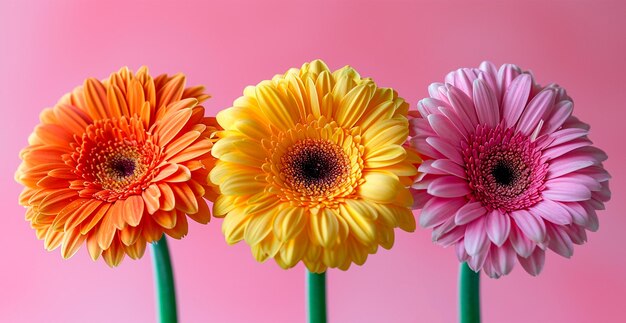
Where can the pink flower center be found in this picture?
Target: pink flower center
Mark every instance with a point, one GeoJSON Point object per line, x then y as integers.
{"type": "Point", "coordinates": [504, 168]}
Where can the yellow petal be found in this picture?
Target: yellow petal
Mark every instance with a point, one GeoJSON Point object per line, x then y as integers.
{"type": "Point", "coordinates": [379, 187]}
{"type": "Point", "coordinates": [289, 223]}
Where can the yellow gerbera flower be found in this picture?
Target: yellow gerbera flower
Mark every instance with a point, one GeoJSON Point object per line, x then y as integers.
{"type": "Point", "coordinates": [311, 168]}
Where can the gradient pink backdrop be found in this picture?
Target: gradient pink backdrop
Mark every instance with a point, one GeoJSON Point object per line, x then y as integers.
{"type": "Point", "coordinates": [48, 47]}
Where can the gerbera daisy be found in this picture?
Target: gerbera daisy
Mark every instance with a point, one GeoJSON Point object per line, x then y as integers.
{"type": "Point", "coordinates": [118, 163]}
{"type": "Point", "coordinates": [509, 171]}
{"type": "Point", "coordinates": [311, 168]}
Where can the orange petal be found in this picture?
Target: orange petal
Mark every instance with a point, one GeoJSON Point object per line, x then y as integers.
{"type": "Point", "coordinates": [68, 211]}
{"type": "Point", "coordinates": [96, 218]}
{"type": "Point", "coordinates": [182, 174]}
{"type": "Point", "coordinates": [136, 250]}
{"type": "Point", "coordinates": [92, 246]}
{"type": "Point", "coordinates": [167, 200]}
{"type": "Point", "coordinates": [95, 97]}
{"type": "Point", "coordinates": [171, 126]}
{"type": "Point", "coordinates": [171, 91]}
{"type": "Point", "coordinates": [181, 143]}
{"type": "Point", "coordinates": [180, 230]}
{"type": "Point", "coordinates": [57, 200]}
{"type": "Point", "coordinates": [81, 214]}
{"type": "Point", "coordinates": [133, 210]}
{"type": "Point", "coordinates": [129, 235]}
{"type": "Point", "coordinates": [166, 219]}
{"type": "Point", "coordinates": [165, 171]}
{"type": "Point", "coordinates": [106, 231]}
{"type": "Point", "coordinates": [114, 255]}
{"type": "Point", "coordinates": [136, 98]}
{"type": "Point", "coordinates": [151, 197]}
{"type": "Point", "coordinates": [203, 215]}
{"type": "Point", "coordinates": [72, 240]}
{"type": "Point", "coordinates": [53, 239]}
{"type": "Point", "coordinates": [73, 118]}
{"type": "Point", "coordinates": [116, 104]}
{"type": "Point", "coordinates": [185, 199]}
{"type": "Point", "coordinates": [199, 148]}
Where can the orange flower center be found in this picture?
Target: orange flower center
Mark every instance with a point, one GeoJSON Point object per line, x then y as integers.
{"type": "Point", "coordinates": [116, 158]}
{"type": "Point", "coordinates": [315, 167]}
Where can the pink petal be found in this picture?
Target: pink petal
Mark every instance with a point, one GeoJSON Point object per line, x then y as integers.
{"type": "Point", "coordinates": [449, 167]}
{"type": "Point", "coordinates": [445, 148]}
{"type": "Point", "coordinates": [489, 76]}
{"type": "Point", "coordinates": [448, 186]}
{"type": "Point", "coordinates": [486, 104]}
{"type": "Point", "coordinates": [469, 212]}
{"type": "Point", "coordinates": [515, 99]}
{"type": "Point", "coordinates": [559, 241]}
{"type": "Point", "coordinates": [502, 259]}
{"type": "Point", "coordinates": [576, 178]}
{"type": "Point", "coordinates": [498, 226]}
{"type": "Point", "coordinates": [593, 152]}
{"type": "Point", "coordinates": [426, 167]}
{"type": "Point", "coordinates": [450, 238]}
{"type": "Point", "coordinates": [463, 79]}
{"type": "Point", "coordinates": [476, 240]}
{"type": "Point", "coordinates": [425, 148]}
{"type": "Point", "coordinates": [463, 125]}
{"type": "Point", "coordinates": [534, 263]}
{"type": "Point", "coordinates": [531, 225]}
{"type": "Point", "coordinates": [459, 249]}
{"type": "Point", "coordinates": [565, 135]}
{"type": "Point", "coordinates": [576, 233]}
{"type": "Point", "coordinates": [552, 211]}
{"type": "Point", "coordinates": [506, 74]}
{"type": "Point", "coordinates": [429, 106]}
{"type": "Point", "coordinates": [535, 111]}
{"type": "Point", "coordinates": [433, 89]}
{"type": "Point", "coordinates": [441, 229]}
{"type": "Point", "coordinates": [444, 128]}
{"type": "Point", "coordinates": [576, 211]}
{"type": "Point", "coordinates": [603, 194]}
{"type": "Point", "coordinates": [565, 165]}
{"type": "Point", "coordinates": [522, 245]}
{"type": "Point", "coordinates": [560, 113]}
{"type": "Point", "coordinates": [420, 197]}
{"type": "Point", "coordinates": [420, 127]}
{"type": "Point", "coordinates": [592, 223]}
{"type": "Point", "coordinates": [560, 150]}
{"type": "Point", "coordinates": [462, 104]}
{"type": "Point", "coordinates": [476, 262]}
{"type": "Point", "coordinates": [572, 192]}
{"type": "Point", "coordinates": [438, 209]}
{"type": "Point", "coordinates": [596, 172]}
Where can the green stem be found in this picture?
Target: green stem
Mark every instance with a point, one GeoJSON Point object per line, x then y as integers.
{"type": "Point", "coordinates": [164, 282]}
{"type": "Point", "coordinates": [469, 295]}
{"type": "Point", "coordinates": [316, 297]}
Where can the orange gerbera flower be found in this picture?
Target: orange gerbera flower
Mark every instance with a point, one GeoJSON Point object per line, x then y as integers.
{"type": "Point", "coordinates": [118, 163]}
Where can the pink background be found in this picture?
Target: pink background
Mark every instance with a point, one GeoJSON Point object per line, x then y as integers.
{"type": "Point", "coordinates": [48, 47]}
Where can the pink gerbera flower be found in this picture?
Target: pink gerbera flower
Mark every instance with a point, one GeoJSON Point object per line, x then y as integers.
{"type": "Point", "coordinates": [508, 171]}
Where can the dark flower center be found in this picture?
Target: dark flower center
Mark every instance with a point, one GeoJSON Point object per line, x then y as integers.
{"type": "Point", "coordinates": [123, 167]}
{"type": "Point", "coordinates": [315, 166]}
{"type": "Point", "coordinates": [504, 168]}
{"type": "Point", "coordinates": [503, 173]}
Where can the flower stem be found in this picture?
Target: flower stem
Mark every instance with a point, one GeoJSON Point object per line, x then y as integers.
{"type": "Point", "coordinates": [316, 297]}
{"type": "Point", "coordinates": [469, 295]}
{"type": "Point", "coordinates": [164, 282]}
